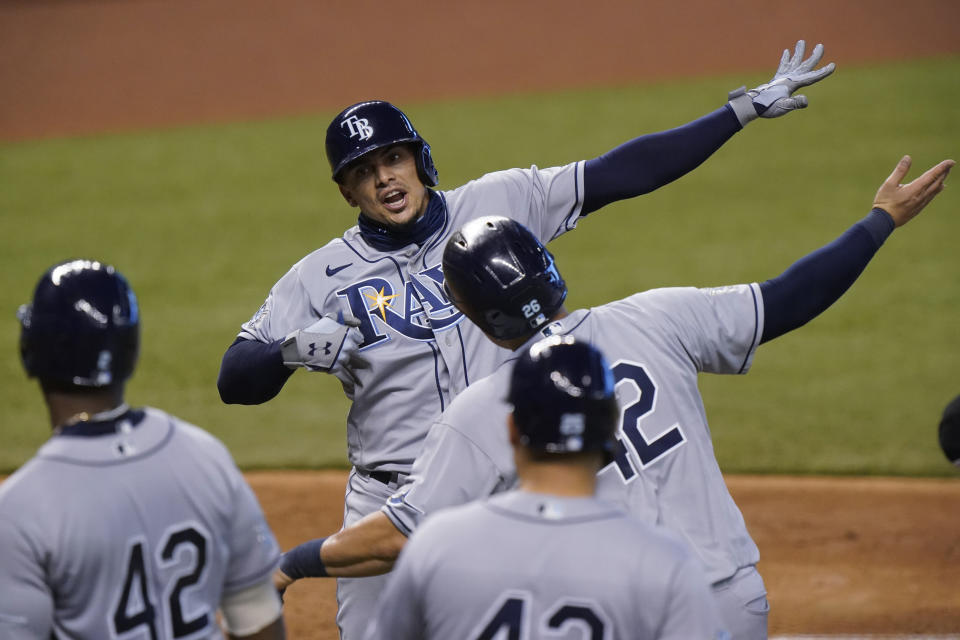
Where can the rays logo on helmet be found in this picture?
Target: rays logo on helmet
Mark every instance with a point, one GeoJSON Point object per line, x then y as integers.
{"type": "Point", "coordinates": [572, 424]}
{"type": "Point", "coordinates": [358, 127]}
{"type": "Point", "coordinates": [104, 376]}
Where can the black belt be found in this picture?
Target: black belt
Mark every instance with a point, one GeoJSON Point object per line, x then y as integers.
{"type": "Point", "coordinates": [384, 477]}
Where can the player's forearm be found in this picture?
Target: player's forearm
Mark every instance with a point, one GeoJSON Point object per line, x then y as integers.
{"type": "Point", "coordinates": [368, 548]}
{"type": "Point", "coordinates": [362, 569]}
{"type": "Point", "coordinates": [652, 161]}
{"type": "Point", "coordinates": [813, 283]}
{"type": "Point", "coordinates": [251, 372]}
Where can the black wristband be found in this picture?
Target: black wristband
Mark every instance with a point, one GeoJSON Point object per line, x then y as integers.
{"type": "Point", "coordinates": [304, 561]}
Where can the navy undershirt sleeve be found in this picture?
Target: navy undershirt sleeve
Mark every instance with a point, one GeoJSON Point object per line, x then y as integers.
{"type": "Point", "coordinates": [813, 283]}
{"type": "Point", "coordinates": [252, 372]}
{"type": "Point", "coordinates": [651, 161]}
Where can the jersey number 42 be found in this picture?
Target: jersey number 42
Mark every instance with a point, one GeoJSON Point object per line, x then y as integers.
{"type": "Point", "coordinates": [510, 620]}
{"type": "Point", "coordinates": [137, 604]}
{"type": "Point", "coordinates": [634, 375]}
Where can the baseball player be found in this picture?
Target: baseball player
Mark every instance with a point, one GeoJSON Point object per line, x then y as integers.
{"type": "Point", "coordinates": [527, 563]}
{"type": "Point", "coordinates": [128, 523]}
{"type": "Point", "coordinates": [369, 307]}
{"type": "Point", "coordinates": [505, 281]}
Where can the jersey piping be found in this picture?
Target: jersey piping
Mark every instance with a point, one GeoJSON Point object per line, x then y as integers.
{"type": "Point", "coordinates": [164, 441]}
{"type": "Point", "coordinates": [756, 324]}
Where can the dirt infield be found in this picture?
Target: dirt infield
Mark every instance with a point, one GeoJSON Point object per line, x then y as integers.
{"type": "Point", "coordinates": [80, 66]}
{"type": "Point", "coordinates": [839, 555]}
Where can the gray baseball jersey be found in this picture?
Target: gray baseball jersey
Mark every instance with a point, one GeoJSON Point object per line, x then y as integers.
{"type": "Point", "coordinates": [421, 352]}
{"type": "Point", "coordinates": [527, 565]}
{"type": "Point", "coordinates": [666, 473]}
{"type": "Point", "coordinates": [128, 529]}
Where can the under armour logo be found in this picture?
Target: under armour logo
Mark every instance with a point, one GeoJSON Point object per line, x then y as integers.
{"type": "Point", "coordinates": [313, 348]}
{"type": "Point", "coordinates": [358, 127]}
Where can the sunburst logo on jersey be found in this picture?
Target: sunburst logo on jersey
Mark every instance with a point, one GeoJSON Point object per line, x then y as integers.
{"type": "Point", "coordinates": [381, 302]}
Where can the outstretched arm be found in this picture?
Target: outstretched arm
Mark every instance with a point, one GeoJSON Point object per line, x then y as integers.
{"type": "Point", "coordinates": [775, 98]}
{"type": "Point", "coordinates": [652, 161]}
{"type": "Point", "coordinates": [813, 283]}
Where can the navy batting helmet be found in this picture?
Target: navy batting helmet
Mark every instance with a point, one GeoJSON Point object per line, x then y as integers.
{"type": "Point", "coordinates": [82, 328]}
{"type": "Point", "coordinates": [562, 392]}
{"type": "Point", "coordinates": [367, 126]}
{"type": "Point", "coordinates": [949, 432]}
{"type": "Point", "coordinates": [505, 278]}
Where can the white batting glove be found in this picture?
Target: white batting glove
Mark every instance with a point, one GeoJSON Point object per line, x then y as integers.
{"type": "Point", "coordinates": [330, 344]}
{"type": "Point", "coordinates": [775, 98]}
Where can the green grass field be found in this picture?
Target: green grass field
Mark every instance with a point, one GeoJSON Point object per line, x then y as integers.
{"type": "Point", "coordinates": [204, 220]}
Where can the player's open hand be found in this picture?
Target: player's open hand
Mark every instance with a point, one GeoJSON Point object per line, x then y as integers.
{"type": "Point", "coordinates": [776, 98]}
{"type": "Point", "coordinates": [904, 201]}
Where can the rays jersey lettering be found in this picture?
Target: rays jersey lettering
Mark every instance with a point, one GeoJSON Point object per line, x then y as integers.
{"type": "Point", "coordinates": [417, 311]}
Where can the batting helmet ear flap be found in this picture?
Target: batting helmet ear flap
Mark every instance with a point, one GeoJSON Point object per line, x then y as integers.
{"type": "Point", "coordinates": [425, 166]}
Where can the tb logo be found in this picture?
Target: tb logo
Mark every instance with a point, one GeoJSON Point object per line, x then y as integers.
{"type": "Point", "coordinates": [358, 127]}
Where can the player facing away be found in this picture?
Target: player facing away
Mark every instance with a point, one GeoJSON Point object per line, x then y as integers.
{"type": "Point", "coordinates": [128, 522]}
{"type": "Point", "coordinates": [659, 341]}
{"type": "Point", "coordinates": [369, 308]}
{"type": "Point", "coordinates": [548, 558]}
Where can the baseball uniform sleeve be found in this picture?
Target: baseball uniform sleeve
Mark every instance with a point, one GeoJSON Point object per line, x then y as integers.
{"type": "Point", "coordinates": [718, 328]}
{"type": "Point", "coordinates": [691, 610]}
{"type": "Point", "coordinates": [254, 552]}
{"type": "Point", "coordinates": [26, 607]}
{"type": "Point", "coordinates": [466, 455]}
{"type": "Point", "coordinates": [452, 469]}
{"type": "Point", "coordinates": [288, 307]}
{"type": "Point", "coordinates": [547, 201]}
{"type": "Point", "coordinates": [252, 369]}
